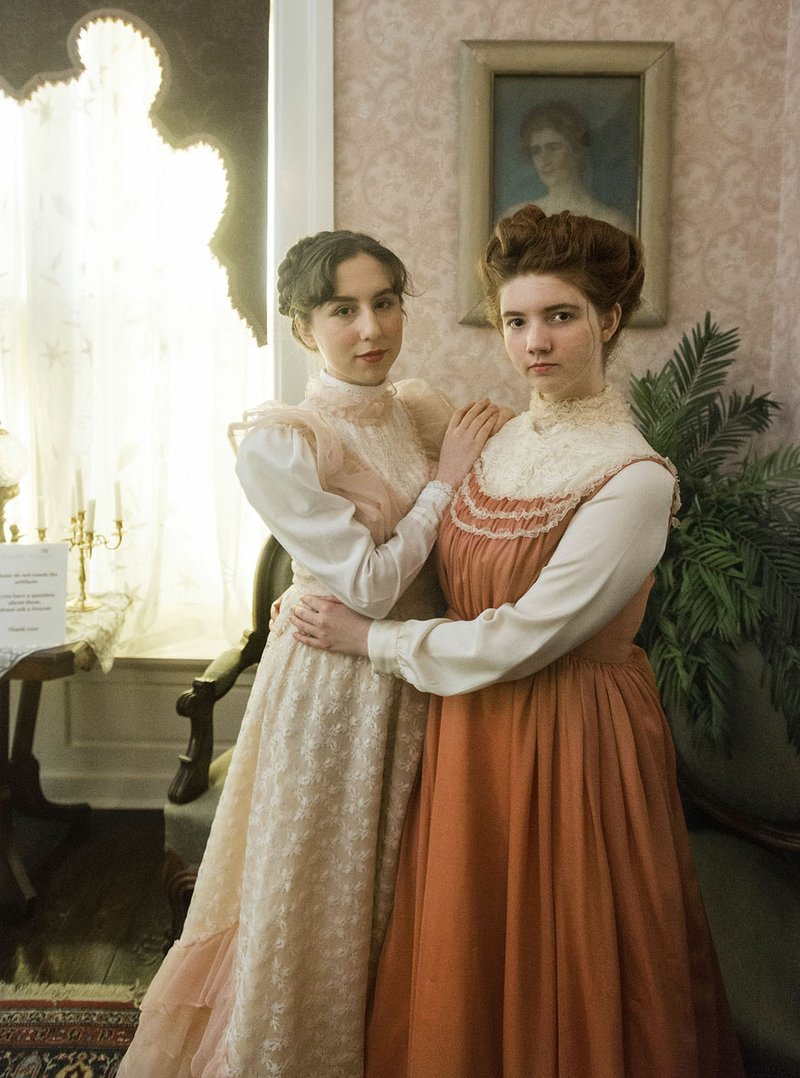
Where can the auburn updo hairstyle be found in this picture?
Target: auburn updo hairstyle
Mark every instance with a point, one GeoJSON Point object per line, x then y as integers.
{"type": "Point", "coordinates": [603, 262]}
{"type": "Point", "coordinates": [307, 274]}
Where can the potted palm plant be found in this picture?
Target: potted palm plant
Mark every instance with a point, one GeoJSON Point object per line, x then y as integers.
{"type": "Point", "coordinates": [730, 575]}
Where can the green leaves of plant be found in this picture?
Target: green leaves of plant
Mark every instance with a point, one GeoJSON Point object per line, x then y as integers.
{"type": "Point", "coordinates": [731, 571]}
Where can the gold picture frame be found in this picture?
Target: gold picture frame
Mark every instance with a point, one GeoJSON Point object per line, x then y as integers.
{"type": "Point", "coordinates": [621, 88]}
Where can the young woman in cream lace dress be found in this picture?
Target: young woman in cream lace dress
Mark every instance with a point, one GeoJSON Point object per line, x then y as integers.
{"type": "Point", "coordinates": [271, 974]}
{"type": "Point", "coordinates": [547, 919]}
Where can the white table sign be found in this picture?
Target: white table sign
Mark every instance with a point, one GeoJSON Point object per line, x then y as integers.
{"type": "Point", "coordinates": [33, 595]}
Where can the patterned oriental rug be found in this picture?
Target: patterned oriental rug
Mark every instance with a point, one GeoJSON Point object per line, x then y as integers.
{"type": "Point", "coordinates": [64, 1030]}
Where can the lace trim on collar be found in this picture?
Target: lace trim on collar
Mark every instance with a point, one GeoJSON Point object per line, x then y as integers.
{"type": "Point", "coordinates": [367, 404]}
{"type": "Point", "coordinates": [568, 447]}
{"type": "Point", "coordinates": [543, 463]}
{"type": "Point", "coordinates": [326, 396]}
{"type": "Point", "coordinates": [534, 517]}
{"type": "Point", "coordinates": [606, 407]}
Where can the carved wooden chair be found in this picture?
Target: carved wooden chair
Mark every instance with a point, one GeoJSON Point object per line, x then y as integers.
{"type": "Point", "coordinates": [743, 811]}
{"type": "Point", "coordinates": [195, 790]}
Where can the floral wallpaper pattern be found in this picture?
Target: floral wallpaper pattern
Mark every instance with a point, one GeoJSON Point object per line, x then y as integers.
{"type": "Point", "coordinates": [734, 205]}
{"type": "Point", "coordinates": [786, 326]}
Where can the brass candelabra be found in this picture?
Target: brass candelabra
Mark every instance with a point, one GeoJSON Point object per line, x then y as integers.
{"type": "Point", "coordinates": [83, 538]}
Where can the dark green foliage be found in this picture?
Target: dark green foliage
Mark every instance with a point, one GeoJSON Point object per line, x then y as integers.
{"type": "Point", "coordinates": [731, 570]}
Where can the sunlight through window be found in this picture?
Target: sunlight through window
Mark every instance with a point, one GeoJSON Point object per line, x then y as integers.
{"type": "Point", "coordinates": [121, 351]}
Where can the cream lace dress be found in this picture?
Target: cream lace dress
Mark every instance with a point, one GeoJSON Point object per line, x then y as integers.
{"type": "Point", "coordinates": [271, 974]}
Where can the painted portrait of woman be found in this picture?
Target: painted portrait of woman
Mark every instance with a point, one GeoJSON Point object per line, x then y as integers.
{"type": "Point", "coordinates": [567, 152]}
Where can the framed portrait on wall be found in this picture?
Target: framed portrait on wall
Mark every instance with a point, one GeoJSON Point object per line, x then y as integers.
{"type": "Point", "coordinates": [583, 126]}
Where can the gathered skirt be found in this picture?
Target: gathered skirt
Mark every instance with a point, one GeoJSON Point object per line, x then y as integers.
{"type": "Point", "coordinates": [547, 921]}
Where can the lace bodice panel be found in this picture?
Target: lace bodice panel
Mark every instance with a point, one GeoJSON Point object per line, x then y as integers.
{"type": "Point", "coordinates": [391, 447]}
{"type": "Point", "coordinates": [558, 450]}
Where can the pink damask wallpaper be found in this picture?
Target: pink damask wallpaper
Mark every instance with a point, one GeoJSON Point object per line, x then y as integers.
{"type": "Point", "coordinates": [734, 211]}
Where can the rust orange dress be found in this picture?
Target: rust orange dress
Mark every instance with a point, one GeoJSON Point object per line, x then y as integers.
{"type": "Point", "coordinates": [547, 919]}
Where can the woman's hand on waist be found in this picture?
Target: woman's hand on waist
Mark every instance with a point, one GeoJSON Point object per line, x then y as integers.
{"type": "Point", "coordinates": [321, 621]}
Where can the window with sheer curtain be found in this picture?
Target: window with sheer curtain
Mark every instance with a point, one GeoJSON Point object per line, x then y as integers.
{"type": "Point", "coordinates": [123, 354]}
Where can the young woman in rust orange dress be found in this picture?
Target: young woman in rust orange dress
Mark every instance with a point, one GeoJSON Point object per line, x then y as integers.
{"type": "Point", "coordinates": [547, 919]}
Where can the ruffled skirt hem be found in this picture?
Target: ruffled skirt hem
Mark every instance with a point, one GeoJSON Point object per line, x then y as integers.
{"type": "Point", "coordinates": [185, 1012]}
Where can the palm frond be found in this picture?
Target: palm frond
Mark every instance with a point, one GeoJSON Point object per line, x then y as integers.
{"type": "Point", "coordinates": [731, 570]}
{"type": "Point", "coordinates": [653, 406]}
{"type": "Point", "coordinates": [674, 402]}
{"type": "Point", "coordinates": [776, 476]}
{"type": "Point", "coordinates": [709, 438]}
{"type": "Point", "coordinates": [699, 369]}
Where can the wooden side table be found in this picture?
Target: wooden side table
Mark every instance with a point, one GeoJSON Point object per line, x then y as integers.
{"type": "Point", "coordinates": [20, 788]}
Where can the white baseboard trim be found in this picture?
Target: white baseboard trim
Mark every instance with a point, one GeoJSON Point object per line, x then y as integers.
{"type": "Point", "coordinates": [108, 791]}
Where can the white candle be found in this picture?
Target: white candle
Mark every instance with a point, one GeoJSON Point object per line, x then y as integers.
{"type": "Point", "coordinates": [90, 515]}
{"type": "Point", "coordinates": [39, 478]}
{"type": "Point", "coordinates": [40, 521]}
{"type": "Point", "coordinates": [79, 490]}
{"type": "Point", "coordinates": [73, 512]}
{"type": "Point", "coordinates": [117, 501]}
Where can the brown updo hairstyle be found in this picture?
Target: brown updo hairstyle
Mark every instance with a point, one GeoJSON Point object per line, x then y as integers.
{"type": "Point", "coordinates": [307, 274]}
{"type": "Point", "coordinates": [603, 262]}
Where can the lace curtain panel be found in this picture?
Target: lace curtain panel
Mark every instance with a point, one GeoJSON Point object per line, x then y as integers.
{"type": "Point", "coordinates": [214, 86]}
{"type": "Point", "coordinates": [122, 352]}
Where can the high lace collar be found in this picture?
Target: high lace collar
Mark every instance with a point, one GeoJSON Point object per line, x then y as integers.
{"type": "Point", "coordinates": [354, 390]}
{"type": "Point", "coordinates": [365, 404]}
{"type": "Point", "coordinates": [608, 406]}
{"type": "Point", "coordinates": [562, 449]}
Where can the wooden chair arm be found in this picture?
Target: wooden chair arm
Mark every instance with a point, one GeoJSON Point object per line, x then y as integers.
{"type": "Point", "coordinates": [197, 705]}
{"type": "Point", "coordinates": [273, 576]}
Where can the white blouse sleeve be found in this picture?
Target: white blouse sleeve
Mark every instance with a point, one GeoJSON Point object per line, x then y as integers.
{"type": "Point", "coordinates": [609, 547]}
{"type": "Point", "coordinates": [278, 474]}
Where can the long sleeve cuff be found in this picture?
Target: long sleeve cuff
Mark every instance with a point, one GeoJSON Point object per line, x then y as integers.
{"type": "Point", "coordinates": [382, 646]}
{"type": "Point", "coordinates": [442, 492]}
